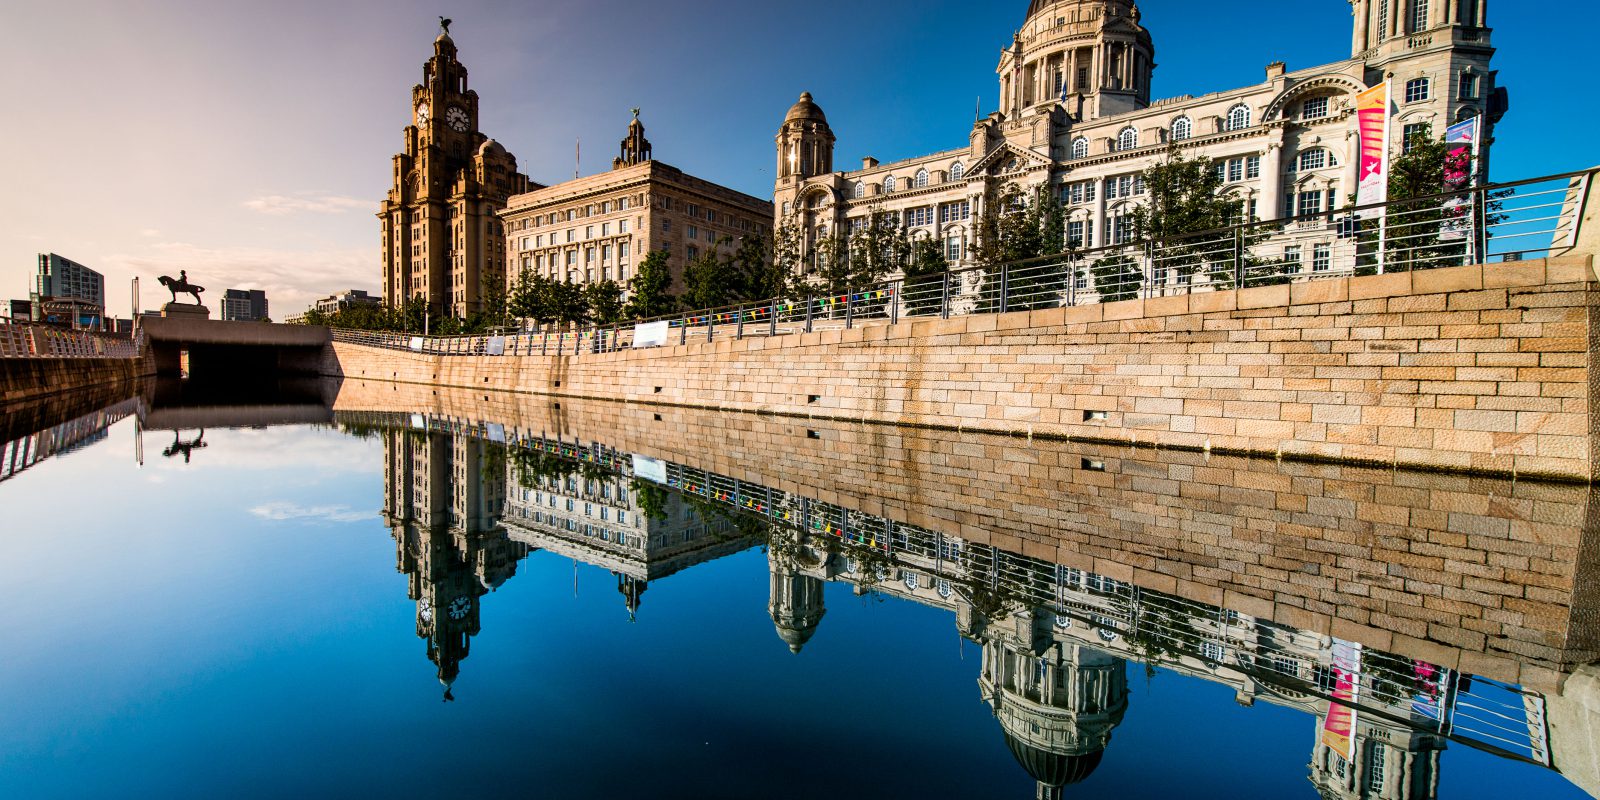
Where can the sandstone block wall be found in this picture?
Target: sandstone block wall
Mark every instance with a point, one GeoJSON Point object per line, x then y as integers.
{"type": "Point", "coordinates": [1492, 576]}
{"type": "Point", "coordinates": [1485, 369]}
{"type": "Point", "coordinates": [24, 379]}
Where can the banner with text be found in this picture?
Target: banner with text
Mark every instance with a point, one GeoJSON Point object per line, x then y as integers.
{"type": "Point", "coordinates": [1372, 115]}
{"type": "Point", "coordinates": [1460, 165]}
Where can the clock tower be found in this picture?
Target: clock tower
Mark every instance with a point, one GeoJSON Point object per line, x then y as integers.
{"type": "Point", "coordinates": [442, 240]}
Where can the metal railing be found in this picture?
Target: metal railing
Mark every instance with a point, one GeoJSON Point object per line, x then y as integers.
{"type": "Point", "coordinates": [31, 340]}
{"type": "Point", "coordinates": [1492, 224]}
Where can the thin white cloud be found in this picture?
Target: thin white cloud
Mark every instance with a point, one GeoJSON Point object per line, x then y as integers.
{"type": "Point", "coordinates": [150, 233]}
{"type": "Point", "coordinates": [283, 510]}
{"type": "Point", "coordinates": [278, 204]}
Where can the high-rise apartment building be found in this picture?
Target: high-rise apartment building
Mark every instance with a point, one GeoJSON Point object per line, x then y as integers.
{"type": "Point", "coordinates": [244, 305]}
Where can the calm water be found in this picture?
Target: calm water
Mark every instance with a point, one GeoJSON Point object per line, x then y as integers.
{"type": "Point", "coordinates": [399, 602]}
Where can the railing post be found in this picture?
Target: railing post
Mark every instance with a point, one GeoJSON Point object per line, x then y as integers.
{"type": "Point", "coordinates": [711, 326]}
{"type": "Point", "coordinates": [1238, 258]}
{"type": "Point", "coordinates": [894, 302]}
{"type": "Point", "coordinates": [738, 331]}
{"type": "Point", "coordinates": [944, 297]}
{"type": "Point", "coordinates": [544, 343]}
{"type": "Point", "coordinates": [772, 319]}
{"type": "Point", "coordinates": [811, 301]}
{"type": "Point", "coordinates": [683, 332]}
{"type": "Point", "coordinates": [1072, 281]}
{"type": "Point", "coordinates": [849, 308]}
{"type": "Point", "coordinates": [1005, 278]}
{"type": "Point", "coordinates": [1150, 269]}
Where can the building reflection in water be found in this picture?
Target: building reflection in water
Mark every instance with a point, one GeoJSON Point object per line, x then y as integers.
{"type": "Point", "coordinates": [1056, 642]}
{"type": "Point", "coordinates": [443, 496]}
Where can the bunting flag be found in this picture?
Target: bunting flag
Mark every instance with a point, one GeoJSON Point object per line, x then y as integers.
{"type": "Point", "coordinates": [1372, 114]}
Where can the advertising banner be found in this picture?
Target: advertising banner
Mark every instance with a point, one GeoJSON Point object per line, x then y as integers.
{"type": "Point", "coordinates": [1339, 727]}
{"type": "Point", "coordinates": [650, 469]}
{"type": "Point", "coordinates": [1372, 115]}
{"type": "Point", "coordinates": [1460, 167]}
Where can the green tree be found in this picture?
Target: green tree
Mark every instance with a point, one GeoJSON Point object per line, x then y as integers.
{"type": "Point", "coordinates": [877, 249]}
{"type": "Point", "coordinates": [1188, 225]}
{"type": "Point", "coordinates": [1116, 277]}
{"type": "Point", "coordinates": [710, 281]}
{"type": "Point", "coordinates": [568, 302]}
{"type": "Point", "coordinates": [604, 299]}
{"type": "Point", "coordinates": [495, 302]}
{"type": "Point", "coordinates": [922, 292]}
{"type": "Point", "coordinates": [1020, 237]}
{"type": "Point", "coordinates": [760, 277]}
{"type": "Point", "coordinates": [787, 259]}
{"type": "Point", "coordinates": [650, 289]}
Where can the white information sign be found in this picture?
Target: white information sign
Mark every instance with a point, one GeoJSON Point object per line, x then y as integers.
{"type": "Point", "coordinates": [651, 334]}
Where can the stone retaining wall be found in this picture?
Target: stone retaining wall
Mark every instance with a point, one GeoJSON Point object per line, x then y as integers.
{"type": "Point", "coordinates": [24, 379]}
{"type": "Point", "coordinates": [1494, 576]}
{"type": "Point", "coordinates": [1477, 369]}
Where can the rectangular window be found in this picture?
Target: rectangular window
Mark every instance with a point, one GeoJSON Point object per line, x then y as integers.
{"type": "Point", "coordinates": [1418, 89]}
{"type": "Point", "coordinates": [694, 252]}
{"type": "Point", "coordinates": [605, 252]}
{"type": "Point", "coordinates": [1419, 15]}
{"type": "Point", "coordinates": [1310, 203]}
{"type": "Point", "coordinates": [1235, 170]}
{"type": "Point", "coordinates": [666, 225]}
{"type": "Point", "coordinates": [1469, 86]}
{"type": "Point", "coordinates": [572, 235]}
{"type": "Point", "coordinates": [1291, 258]}
{"type": "Point", "coordinates": [622, 226]}
{"type": "Point", "coordinates": [572, 258]}
{"type": "Point", "coordinates": [691, 231]}
{"type": "Point", "coordinates": [1321, 258]}
{"type": "Point", "coordinates": [1075, 233]}
{"type": "Point", "coordinates": [605, 229]}
{"type": "Point", "coordinates": [952, 249]}
{"type": "Point", "coordinates": [1121, 229]}
{"type": "Point", "coordinates": [622, 250]}
{"type": "Point", "coordinates": [1314, 108]}
{"type": "Point", "coordinates": [1252, 167]}
{"type": "Point", "coordinates": [588, 232]}
{"type": "Point", "coordinates": [588, 255]}
{"type": "Point", "coordinates": [1415, 132]}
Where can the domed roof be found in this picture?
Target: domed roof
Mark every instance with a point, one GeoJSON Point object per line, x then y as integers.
{"type": "Point", "coordinates": [444, 38]}
{"type": "Point", "coordinates": [796, 638]}
{"type": "Point", "coordinates": [491, 146]}
{"type": "Point", "coordinates": [1053, 769]}
{"type": "Point", "coordinates": [805, 109]}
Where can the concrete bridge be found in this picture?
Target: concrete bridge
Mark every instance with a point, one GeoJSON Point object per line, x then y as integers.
{"type": "Point", "coordinates": [217, 348]}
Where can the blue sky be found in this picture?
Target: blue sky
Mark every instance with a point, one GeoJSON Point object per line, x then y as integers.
{"type": "Point", "coordinates": [250, 143]}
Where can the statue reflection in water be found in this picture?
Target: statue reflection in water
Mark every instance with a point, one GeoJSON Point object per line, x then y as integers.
{"type": "Point", "coordinates": [179, 446]}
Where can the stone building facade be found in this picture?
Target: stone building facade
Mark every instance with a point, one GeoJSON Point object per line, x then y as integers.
{"type": "Point", "coordinates": [601, 226]}
{"type": "Point", "coordinates": [442, 240]}
{"type": "Point", "coordinates": [1076, 116]}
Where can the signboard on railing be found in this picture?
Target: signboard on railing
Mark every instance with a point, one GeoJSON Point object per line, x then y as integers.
{"type": "Point", "coordinates": [651, 334]}
{"type": "Point", "coordinates": [496, 346]}
{"type": "Point", "coordinates": [650, 469]}
{"type": "Point", "coordinates": [416, 343]}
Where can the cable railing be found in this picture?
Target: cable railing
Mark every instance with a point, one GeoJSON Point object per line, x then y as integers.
{"type": "Point", "coordinates": [1493, 224]}
{"type": "Point", "coordinates": [33, 340]}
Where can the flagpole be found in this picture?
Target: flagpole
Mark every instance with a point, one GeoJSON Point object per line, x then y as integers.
{"type": "Point", "coordinates": [1383, 219]}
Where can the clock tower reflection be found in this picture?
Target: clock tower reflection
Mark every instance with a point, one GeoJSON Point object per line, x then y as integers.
{"type": "Point", "coordinates": [443, 498]}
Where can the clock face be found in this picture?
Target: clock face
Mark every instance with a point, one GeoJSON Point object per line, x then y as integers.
{"type": "Point", "coordinates": [422, 113]}
{"type": "Point", "coordinates": [456, 117]}
{"type": "Point", "coordinates": [459, 607]}
{"type": "Point", "coordinates": [425, 610]}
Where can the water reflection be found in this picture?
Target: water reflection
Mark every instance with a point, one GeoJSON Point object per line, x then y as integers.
{"type": "Point", "coordinates": [472, 490]}
{"type": "Point", "coordinates": [1056, 641]}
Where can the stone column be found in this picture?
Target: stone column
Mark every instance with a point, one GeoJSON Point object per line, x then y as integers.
{"type": "Point", "coordinates": [1271, 206]}
{"type": "Point", "coordinates": [1103, 235]}
{"type": "Point", "coordinates": [1363, 21]}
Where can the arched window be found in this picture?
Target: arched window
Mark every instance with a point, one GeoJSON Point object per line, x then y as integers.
{"type": "Point", "coordinates": [1182, 128]}
{"type": "Point", "coordinates": [1238, 117]}
{"type": "Point", "coordinates": [1315, 158]}
{"type": "Point", "coordinates": [860, 191]}
{"type": "Point", "coordinates": [1080, 147]}
{"type": "Point", "coordinates": [1127, 139]}
{"type": "Point", "coordinates": [888, 184]}
{"type": "Point", "coordinates": [922, 178]}
{"type": "Point", "coordinates": [956, 171]}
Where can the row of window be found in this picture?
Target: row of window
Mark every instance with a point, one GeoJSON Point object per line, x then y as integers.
{"type": "Point", "coordinates": [919, 181]}
{"type": "Point", "coordinates": [572, 214]}
{"type": "Point", "coordinates": [589, 232]}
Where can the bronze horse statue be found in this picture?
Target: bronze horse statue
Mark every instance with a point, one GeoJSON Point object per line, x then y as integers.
{"type": "Point", "coordinates": [181, 285]}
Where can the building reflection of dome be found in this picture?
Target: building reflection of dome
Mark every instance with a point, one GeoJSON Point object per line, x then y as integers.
{"type": "Point", "coordinates": [1053, 769]}
{"type": "Point", "coordinates": [796, 638]}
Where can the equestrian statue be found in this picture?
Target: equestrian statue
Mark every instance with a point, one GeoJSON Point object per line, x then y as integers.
{"type": "Point", "coordinates": [182, 286]}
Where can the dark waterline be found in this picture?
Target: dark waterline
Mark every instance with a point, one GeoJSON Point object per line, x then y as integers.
{"type": "Point", "coordinates": [394, 608]}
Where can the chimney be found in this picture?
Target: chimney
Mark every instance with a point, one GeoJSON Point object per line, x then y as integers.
{"type": "Point", "coordinates": [869, 162]}
{"type": "Point", "coordinates": [1275, 70]}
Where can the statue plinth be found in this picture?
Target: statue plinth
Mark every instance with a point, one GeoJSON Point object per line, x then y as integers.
{"type": "Point", "coordinates": [186, 311]}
